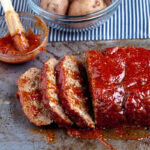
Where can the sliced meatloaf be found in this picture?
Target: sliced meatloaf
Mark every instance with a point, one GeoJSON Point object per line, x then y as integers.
{"type": "Point", "coordinates": [105, 78]}
{"type": "Point", "coordinates": [120, 86]}
{"type": "Point", "coordinates": [31, 98]}
{"type": "Point", "coordinates": [137, 85]}
{"type": "Point", "coordinates": [50, 97]}
{"type": "Point", "coordinates": [72, 91]}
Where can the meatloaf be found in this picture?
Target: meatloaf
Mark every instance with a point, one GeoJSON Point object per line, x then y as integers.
{"type": "Point", "coordinates": [119, 82]}
{"type": "Point", "coordinates": [31, 98]}
{"type": "Point", "coordinates": [50, 97]}
{"type": "Point", "coordinates": [105, 76]}
{"type": "Point", "coordinates": [72, 91]}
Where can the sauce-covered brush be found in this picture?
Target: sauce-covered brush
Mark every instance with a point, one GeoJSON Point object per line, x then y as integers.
{"type": "Point", "coordinates": [15, 27]}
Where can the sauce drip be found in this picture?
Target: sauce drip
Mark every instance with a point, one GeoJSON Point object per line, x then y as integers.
{"type": "Point", "coordinates": [7, 45]}
{"type": "Point", "coordinates": [89, 134]}
{"type": "Point", "coordinates": [124, 133]}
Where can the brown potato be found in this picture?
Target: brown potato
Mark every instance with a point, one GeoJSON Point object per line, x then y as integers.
{"type": "Point", "coordinates": [55, 6]}
{"type": "Point", "coordinates": [83, 7]}
{"type": "Point", "coordinates": [108, 2]}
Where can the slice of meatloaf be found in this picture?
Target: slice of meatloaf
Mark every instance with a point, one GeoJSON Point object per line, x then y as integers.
{"type": "Point", "coordinates": [50, 97]}
{"type": "Point", "coordinates": [105, 78]}
{"type": "Point", "coordinates": [31, 98]}
{"type": "Point", "coordinates": [71, 91]}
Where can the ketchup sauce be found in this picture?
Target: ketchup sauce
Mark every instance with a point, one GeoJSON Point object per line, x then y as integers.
{"type": "Point", "coordinates": [7, 45]}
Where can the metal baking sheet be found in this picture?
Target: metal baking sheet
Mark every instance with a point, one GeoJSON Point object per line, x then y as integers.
{"type": "Point", "coordinates": [16, 133]}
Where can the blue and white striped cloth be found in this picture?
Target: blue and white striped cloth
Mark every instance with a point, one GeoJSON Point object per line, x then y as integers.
{"type": "Point", "coordinates": [130, 21]}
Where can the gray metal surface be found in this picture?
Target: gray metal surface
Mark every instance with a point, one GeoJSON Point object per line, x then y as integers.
{"type": "Point", "coordinates": [16, 133]}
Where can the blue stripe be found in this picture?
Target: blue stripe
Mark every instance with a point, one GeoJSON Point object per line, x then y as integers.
{"type": "Point", "coordinates": [102, 32]}
{"type": "Point", "coordinates": [131, 20]}
{"type": "Point", "coordinates": [144, 21]}
{"type": "Point", "coordinates": [125, 35]}
{"type": "Point", "coordinates": [109, 29]}
{"type": "Point", "coordinates": [61, 36]}
{"type": "Point", "coordinates": [140, 22]}
{"type": "Point", "coordinates": [147, 19]}
{"type": "Point", "coordinates": [136, 20]}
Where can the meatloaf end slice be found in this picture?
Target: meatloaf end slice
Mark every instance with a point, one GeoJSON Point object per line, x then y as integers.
{"type": "Point", "coordinates": [50, 97]}
{"type": "Point", "coordinates": [31, 98]}
{"type": "Point", "coordinates": [71, 91]}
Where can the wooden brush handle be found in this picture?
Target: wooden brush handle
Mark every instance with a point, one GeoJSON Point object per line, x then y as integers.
{"type": "Point", "coordinates": [12, 18]}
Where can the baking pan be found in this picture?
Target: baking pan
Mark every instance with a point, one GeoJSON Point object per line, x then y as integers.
{"type": "Point", "coordinates": [16, 133]}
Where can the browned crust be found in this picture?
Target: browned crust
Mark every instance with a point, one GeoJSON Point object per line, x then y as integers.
{"type": "Point", "coordinates": [59, 117]}
{"type": "Point", "coordinates": [31, 99]}
{"type": "Point", "coordinates": [69, 109]}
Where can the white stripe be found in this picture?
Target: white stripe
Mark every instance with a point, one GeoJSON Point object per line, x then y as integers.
{"type": "Point", "coordinates": [86, 35]}
{"type": "Point", "coordinates": [63, 36]}
{"type": "Point", "coordinates": [138, 20]}
{"type": "Point", "coordinates": [77, 36]}
{"type": "Point", "coordinates": [133, 30]}
{"type": "Point", "coordinates": [119, 22]}
{"type": "Point", "coordinates": [123, 20]}
{"type": "Point", "coordinates": [149, 28]}
{"type": "Point", "coordinates": [116, 22]}
{"type": "Point", "coordinates": [51, 35]}
{"type": "Point", "coordinates": [73, 36]}
{"type": "Point", "coordinates": [101, 32]}
{"type": "Point", "coordinates": [82, 36]}
{"type": "Point", "coordinates": [130, 17]}
{"type": "Point", "coordinates": [104, 31]}
{"type": "Point", "coordinates": [58, 35]}
{"type": "Point", "coordinates": [107, 30]}
{"type": "Point", "coordinates": [141, 19]}
{"type": "Point", "coordinates": [127, 24]}
{"type": "Point", "coordinates": [97, 34]}
{"type": "Point", "coordinates": [148, 12]}
{"type": "Point", "coordinates": [112, 27]}
{"type": "Point", "coordinates": [145, 23]}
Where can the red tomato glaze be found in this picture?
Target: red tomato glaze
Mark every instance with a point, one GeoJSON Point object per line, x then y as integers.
{"type": "Point", "coordinates": [120, 86]}
{"type": "Point", "coordinates": [7, 46]}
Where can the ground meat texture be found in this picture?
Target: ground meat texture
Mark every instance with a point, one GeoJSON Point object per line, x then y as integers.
{"type": "Point", "coordinates": [31, 97]}
{"type": "Point", "coordinates": [50, 96]}
{"type": "Point", "coordinates": [71, 91]}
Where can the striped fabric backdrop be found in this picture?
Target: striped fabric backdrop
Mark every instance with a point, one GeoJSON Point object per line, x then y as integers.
{"type": "Point", "coordinates": [130, 21]}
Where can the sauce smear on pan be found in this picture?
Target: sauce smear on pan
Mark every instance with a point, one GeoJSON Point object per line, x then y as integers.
{"type": "Point", "coordinates": [49, 134]}
{"type": "Point", "coordinates": [124, 133]}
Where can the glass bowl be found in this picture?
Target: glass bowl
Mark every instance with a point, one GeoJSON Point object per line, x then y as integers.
{"type": "Point", "coordinates": [30, 22]}
{"type": "Point", "coordinates": [84, 22]}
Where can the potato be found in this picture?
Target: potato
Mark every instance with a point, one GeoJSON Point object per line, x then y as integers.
{"type": "Point", "coordinates": [108, 2]}
{"type": "Point", "coordinates": [70, 1]}
{"type": "Point", "coordinates": [55, 6]}
{"type": "Point", "coordinates": [83, 7]}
